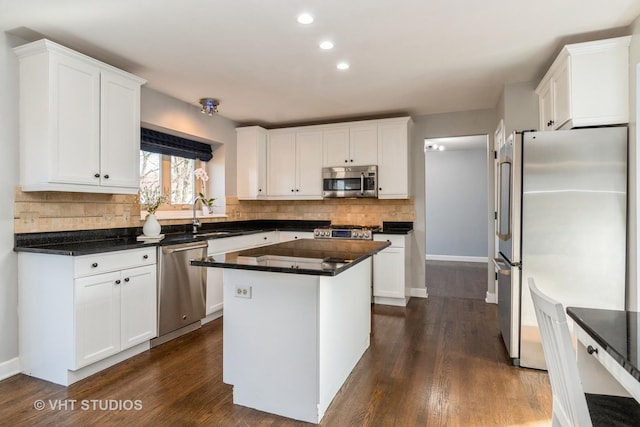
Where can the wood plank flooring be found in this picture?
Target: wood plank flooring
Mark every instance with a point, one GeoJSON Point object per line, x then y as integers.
{"type": "Point", "coordinates": [437, 362]}
{"type": "Point", "coordinates": [457, 279]}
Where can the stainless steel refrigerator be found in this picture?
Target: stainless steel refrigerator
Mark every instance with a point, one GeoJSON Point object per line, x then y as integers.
{"type": "Point", "coordinates": [562, 215]}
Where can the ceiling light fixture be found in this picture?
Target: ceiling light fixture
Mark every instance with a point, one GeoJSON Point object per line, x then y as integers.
{"type": "Point", "coordinates": [326, 45]}
{"type": "Point", "coordinates": [305, 19]}
{"type": "Point", "coordinates": [209, 106]}
{"type": "Point", "coordinates": [342, 66]}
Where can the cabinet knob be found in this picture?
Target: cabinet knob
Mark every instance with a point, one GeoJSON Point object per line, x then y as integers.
{"type": "Point", "coordinates": [145, 256]}
{"type": "Point", "coordinates": [351, 160]}
{"type": "Point", "coordinates": [292, 190]}
{"type": "Point", "coordinates": [264, 238]}
{"type": "Point", "coordinates": [591, 350]}
{"type": "Point", "coordinates": [297, 189]}
{"type": "Point", "coordinates": [106, 176]}
{"type": "Point", "coordinates": [118, 282]}
{"type": "Point", "coordinates": [379, 188]}
{"type": "Point", "coordinates": [346, 161]}
{"type": "Point", "coordinates": [97, 175]}
{"type": "Point", "coordinates": [126, 279]}
{"type": "Point", "coordinates": [259, 190]}
{"type": "Point", "coordinates": [94, 265]}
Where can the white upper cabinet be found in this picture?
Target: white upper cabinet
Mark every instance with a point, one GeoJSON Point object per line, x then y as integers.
{"type": "Point", "coordinates": [393, 159]}
{"type": "Point", "coordinates": [294, 165]}
{"type": "Point", "coordinates": [251, 167]}
{"type": "Point", "coordinates": [587, 85]}
{"type": "Point", "coordinates": [351, 146]}
{"type": "Point", "coordinates": [293, 157]}
{"type": "Point", "coordinates": [79, 122]}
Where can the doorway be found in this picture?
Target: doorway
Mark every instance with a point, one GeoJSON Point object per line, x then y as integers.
{"type": "Point", "coordinates": [456, 209]}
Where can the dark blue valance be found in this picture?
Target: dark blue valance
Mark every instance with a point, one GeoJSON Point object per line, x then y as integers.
{"type": "Point", "coordinates": [163, 143]}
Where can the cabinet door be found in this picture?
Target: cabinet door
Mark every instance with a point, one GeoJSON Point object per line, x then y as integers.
{"type": "Point", "coordinates": [75, 154]}
{"type": "Point", "coordinates": [214, 286]}
{"type": "Point", "coordinates": [309, 164]}
{"type": "Point", "coordinates": [393, 176]}
{"type": "Point", "coordinates": [363, 145]}
{"type": "Point", "coordinates": [251, 165]}
{"type": "Point", "coordinates": [388, 273]}
{"type": "Point", "coordinates": [545, 102]}
{"type": "Point", "coordinates": [97, 317]}
{"type": "Point", "coordinates": [335, 144]}
{"type": "Point", "coordinates": [562, 95]}
{"type": "Point", "coordinates": [281, 165]}
{"type": "Point", "coordinates": [138, 306]}
{"type": "Point", "coordinates": [119, 132]}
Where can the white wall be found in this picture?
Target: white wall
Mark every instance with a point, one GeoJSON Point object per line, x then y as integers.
{"type": "Point", "coordinates": [456, 203]}
{"type": "Point", "coordinates": [8, 181]}
{"type": "Point", "coordinates": [463, 123]}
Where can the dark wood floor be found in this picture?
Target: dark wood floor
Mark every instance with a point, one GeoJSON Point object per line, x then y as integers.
{"type": "Point", "coordinates": [457, 279]}
{"type": "Point", "coordinates": [437, 362]}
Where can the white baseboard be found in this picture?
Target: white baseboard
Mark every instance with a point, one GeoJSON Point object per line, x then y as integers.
{"type": "Point", "coordinates": [457, 258]}
{"type": "Point", "coordinates": [419, 292]}
{"type": "Point", "coordinates": [9, 368]}
{"type": "Point", "coordinates": [491, 298]}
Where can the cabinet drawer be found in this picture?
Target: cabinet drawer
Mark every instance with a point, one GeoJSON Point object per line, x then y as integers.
{"type": "Point", "coordinates": [100, 263]}
{"type": "Point", "coordinates": [397, 240]}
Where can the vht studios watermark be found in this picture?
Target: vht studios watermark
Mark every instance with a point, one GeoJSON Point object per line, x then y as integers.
{"type": "Point", "coordinates": [88, 405]}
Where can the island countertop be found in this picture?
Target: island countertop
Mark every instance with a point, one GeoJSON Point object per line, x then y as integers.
{"type": "Point", "coordinates": [303, 256]}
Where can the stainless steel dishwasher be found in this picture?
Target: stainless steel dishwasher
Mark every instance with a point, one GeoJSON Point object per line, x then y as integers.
{"type": "Point", "coordinates": [181, 290]}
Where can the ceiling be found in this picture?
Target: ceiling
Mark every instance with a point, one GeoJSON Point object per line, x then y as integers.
{"type": "Point", "coordinates": [407, 57]}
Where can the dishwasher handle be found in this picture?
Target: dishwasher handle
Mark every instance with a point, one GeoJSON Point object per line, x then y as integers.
{"type": "Point", "coordinates": [184, 247]}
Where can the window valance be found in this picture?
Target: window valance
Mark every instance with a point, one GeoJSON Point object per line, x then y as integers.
{"type": "Point", "coordinates": [163, 143]}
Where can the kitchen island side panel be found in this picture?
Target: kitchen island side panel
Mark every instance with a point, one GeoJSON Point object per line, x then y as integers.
{"type": "Point", "coordinates": [290, 346]}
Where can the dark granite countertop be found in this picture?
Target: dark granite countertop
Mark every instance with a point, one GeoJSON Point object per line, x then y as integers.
{"type": "Point", "coordinates": [396, 227]}
{"type": "Point", "coordinates": [87, 242]}
{"type": "Point", "coordinates": [618, 332]}
{"type": "Point", "coordinates": [303, 256]}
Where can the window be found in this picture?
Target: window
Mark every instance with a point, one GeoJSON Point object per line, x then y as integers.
{"type": "Point", "coordinates": [173, 175]}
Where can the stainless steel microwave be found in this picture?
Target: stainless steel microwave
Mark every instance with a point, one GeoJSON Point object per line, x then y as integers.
{"type": "Point", "coordinates": [350, 181]}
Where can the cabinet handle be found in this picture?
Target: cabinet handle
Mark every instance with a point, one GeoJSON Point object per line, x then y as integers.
{"type": "Point", "coordinates": [591, 350]}
{"type": "Point", "coordinates": [118, 282]}
{"type": "Point", "coordinates": [94, 265]}
{"type": "Point", "coordinates": [145, 256]}
{"type": "Point", "coordinates": [106, 176]}
{"type": "Point", "coordinates": [126, 279]}
{"type": "Point", "coordinates": [97, 175]}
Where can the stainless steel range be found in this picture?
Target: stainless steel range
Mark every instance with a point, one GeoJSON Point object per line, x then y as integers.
{"type": "Point", "coordinates": [351, 232]}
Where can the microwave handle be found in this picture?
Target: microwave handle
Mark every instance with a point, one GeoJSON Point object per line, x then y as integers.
{"type": "Point", "coordinates": [362, 183]}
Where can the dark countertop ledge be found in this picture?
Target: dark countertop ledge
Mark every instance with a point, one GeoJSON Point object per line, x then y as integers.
{"type": "Point", "coordinates": [303, 256]}
{"type": "Point", "coordinates": [614, 330]}
{"type": "Point", "coordinates": [87, 242]}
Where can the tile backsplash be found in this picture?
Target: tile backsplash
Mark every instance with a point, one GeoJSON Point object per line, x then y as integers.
{"type": "Point", "coordinates": [43, 211]}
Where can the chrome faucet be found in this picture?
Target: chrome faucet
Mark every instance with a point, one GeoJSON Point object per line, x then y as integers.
{"type": "Point", "coordinates": [195, 223]}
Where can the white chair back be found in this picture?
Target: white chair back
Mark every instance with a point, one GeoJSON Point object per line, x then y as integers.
{"type": "Point", "coordinates": [569, 402]}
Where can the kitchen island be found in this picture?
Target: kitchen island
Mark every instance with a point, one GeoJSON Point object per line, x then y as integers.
{"type": "Point", "coordinates": [297, 318]}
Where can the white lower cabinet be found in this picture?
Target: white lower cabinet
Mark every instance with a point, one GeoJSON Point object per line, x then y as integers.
{"type": "Point", "coordinates": [390, 271]}
{"type": "Point", "coordinates": [79, 315]}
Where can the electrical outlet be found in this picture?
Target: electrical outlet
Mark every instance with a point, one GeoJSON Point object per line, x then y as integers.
{"type": "Point", "coordinates": [242, 291]}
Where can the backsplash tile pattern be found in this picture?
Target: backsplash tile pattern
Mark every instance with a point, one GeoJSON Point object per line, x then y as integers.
{"type": "Point", "coordinates": [60, 211]}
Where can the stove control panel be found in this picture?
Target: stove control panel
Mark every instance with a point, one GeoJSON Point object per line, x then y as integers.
{"type": "Point", "coordinates": [341, 233]}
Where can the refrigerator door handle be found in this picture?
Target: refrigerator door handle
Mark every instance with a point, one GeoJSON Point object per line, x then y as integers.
{"type": "Point", "coordinates": [500, 269]}
{"type": "Point", "coordinates": [501, 202]}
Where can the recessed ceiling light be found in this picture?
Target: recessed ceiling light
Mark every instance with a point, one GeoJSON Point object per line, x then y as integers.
{"type": "Point", "coordinates": [342, 66]}
{"type": "Point", "coordinates": [305, 18]}
{"type": "Point", "coordinates": [326, 45]}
